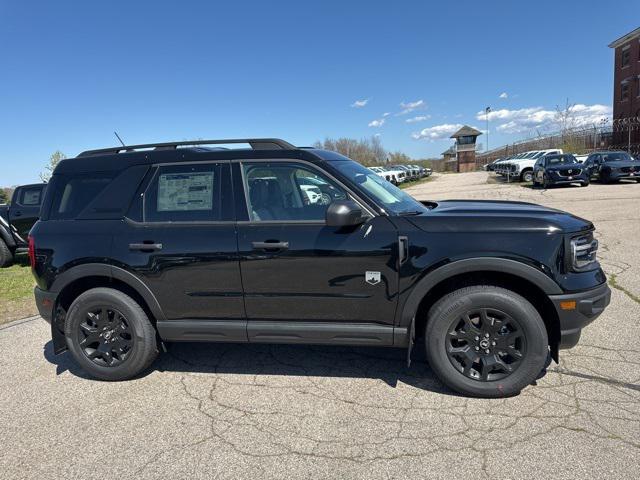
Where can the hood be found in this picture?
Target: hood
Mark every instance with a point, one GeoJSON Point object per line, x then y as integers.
{"type": "Point", "coordinates": [494, 216]}
{"type": "Point", "coordinates": [622, 163]}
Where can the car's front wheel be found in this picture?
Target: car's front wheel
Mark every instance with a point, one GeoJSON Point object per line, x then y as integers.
{"type": "Point", "coordinates": [486, 341]}
{"type": "Point", "coordinates": [527, 176]}
{"type": "Point", "coordinates": [109, 335]}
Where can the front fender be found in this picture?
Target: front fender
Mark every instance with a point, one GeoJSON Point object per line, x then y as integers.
{"type": "Point", "coordinates": [470, 265]}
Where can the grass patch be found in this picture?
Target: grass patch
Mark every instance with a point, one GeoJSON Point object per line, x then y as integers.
{"type": "Point", "coordinates": [16, 293]}
{"type": "Point", "coordinates": [415, 182]}
{"type": "Point", "coordinates": [613, 281]}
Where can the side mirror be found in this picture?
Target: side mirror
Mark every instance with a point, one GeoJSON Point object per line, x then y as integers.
{"type": "Point", "coordinates": [344, 213]}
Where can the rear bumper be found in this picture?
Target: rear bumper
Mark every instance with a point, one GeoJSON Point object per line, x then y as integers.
{"type": "Point", "coordinates": [45, 302]}
{"type": "Point", "coordinates": [588, 306]}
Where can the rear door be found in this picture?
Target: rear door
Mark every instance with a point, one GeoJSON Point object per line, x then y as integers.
{"type": "Point", "coordinates": [303, 280]}
{"type": "Point", "coordinates": [25, 209]}
{"type": "Point", "coordinates": [184, 248]}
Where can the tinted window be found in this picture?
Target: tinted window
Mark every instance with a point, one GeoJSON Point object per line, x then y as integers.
{"type": "Point", "coordinates": [183, 193]}
{"type": "Point", "coordinates": [282, 191]}
{"type": "Point", "coordinates": [31, 196]}
{"type": "Point", "coordinates": [75, 193]}
{"type": "Point", "coordinates": [616, 157]}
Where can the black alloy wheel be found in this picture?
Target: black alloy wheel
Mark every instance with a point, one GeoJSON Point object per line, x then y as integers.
{"type": "Point", "coordinates": [486, 344]}
{"type": "Point", "coordinates": [105, 336]}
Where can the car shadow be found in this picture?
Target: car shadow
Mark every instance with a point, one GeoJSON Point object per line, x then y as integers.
{"type": "Point", "coordinates": [386, 364]}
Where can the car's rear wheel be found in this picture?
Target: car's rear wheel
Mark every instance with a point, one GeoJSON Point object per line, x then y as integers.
{"type": "Point", "coordinates": [486, 341]}
{"type": "Point", "coordinates": [110, 335]}
{"type": "Point", "coordinates": [6, 257]}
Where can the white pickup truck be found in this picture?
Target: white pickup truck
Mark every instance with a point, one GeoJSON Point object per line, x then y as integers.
{"type": "Point", "coordinates": [522, 168]}
{"type": "Point", "coordinates": [395, 176]}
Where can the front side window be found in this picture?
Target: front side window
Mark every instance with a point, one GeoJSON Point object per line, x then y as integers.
{"type": "Point", "coordinates": [288, 192]}
{"type": "Point", "coordinates": [183, 193]}
{"type": "Point", "coordinates": [384, 193]}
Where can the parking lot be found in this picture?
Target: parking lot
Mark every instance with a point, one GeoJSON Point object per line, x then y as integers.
{"type": "Point", "coordinates": [273, 411]}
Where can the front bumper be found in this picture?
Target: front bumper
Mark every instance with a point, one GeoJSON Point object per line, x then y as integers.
{"type": "Point", "coordinates": [45, 302]}
{"type": "Point", "coordinates": [589, 305]}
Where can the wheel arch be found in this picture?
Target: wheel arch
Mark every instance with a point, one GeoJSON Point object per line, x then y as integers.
{"type": "Point", "coordinates": [523, 279]}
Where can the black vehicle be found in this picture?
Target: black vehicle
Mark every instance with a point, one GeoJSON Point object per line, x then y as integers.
{"type": "Point", "coordinates": [16, 219]}
{"type": "Point", "coordinates": [559, 169]}
{"type": "Point", "coordinates": [142, 245]}
{"type": "Point", "coordinates": [609, 167]}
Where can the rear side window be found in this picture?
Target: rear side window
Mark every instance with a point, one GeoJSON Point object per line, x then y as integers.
{"type": "Point", "coordinates": [184, 193]}
{"type": "Point", "coordinates": [75, 193]}
{"type": "Point", "coordinates": [30, 197]}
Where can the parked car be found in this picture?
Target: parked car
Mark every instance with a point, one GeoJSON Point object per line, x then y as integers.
{"type": "Point", "coordinates": [146, 244]}
{"type": "Point", "coordinates": [561, 169]}
{"type": "Point", "coordinates": [522, 168]}
{"type": "Point", "coordinates": [612, 166]}
{"type": "Point", "coordinates": [391, 174]}
{"type": "Point", "coordinates": [16, 219]}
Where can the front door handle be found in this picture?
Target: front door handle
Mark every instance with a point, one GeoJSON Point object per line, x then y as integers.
{"type": "Point", "coordinates": [17, 214]}
{"type": "Point", "coordinates": [270, 245]}
{"type": "Point", "coordinates": [145, 247]}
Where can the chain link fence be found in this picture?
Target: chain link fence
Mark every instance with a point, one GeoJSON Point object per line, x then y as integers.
{"type": "Point", "coordinates": [620, 134]}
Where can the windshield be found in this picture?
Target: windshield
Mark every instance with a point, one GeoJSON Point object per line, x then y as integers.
{"type": "Point", "coordinates": [385, 194]}
{"type": "Point", "coordinates": [616, 157]}
{"type": "Point", "coordinates": [559, 159]}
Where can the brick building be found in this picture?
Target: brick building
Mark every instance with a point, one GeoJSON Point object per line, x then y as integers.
{"type": "Point", "coordinates": [626, 83]}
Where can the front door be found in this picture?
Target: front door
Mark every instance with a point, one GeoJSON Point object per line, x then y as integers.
{"type": "Point", "coordinates": [295, 268]}
{"type": "Point", "coordinates": [185, 251]}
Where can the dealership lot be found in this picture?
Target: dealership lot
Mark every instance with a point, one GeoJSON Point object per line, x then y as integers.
{"type": "Point", "coordinates": [234, 411]}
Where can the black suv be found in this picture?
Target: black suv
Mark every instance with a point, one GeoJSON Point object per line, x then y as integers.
{"type": "Point", "coordinates": [141, 245]}
{"type": "Point", "coordinates": [609, 167]}
{"type": "Point", "coordinates": [559, 169]}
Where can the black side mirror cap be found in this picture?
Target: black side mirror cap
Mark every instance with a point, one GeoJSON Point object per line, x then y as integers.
{"type": "Point", "coordinates": [344, 213]}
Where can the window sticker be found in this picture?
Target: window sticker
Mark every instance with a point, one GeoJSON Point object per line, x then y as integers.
{"type": "Point", "coordinates": [185, 191]}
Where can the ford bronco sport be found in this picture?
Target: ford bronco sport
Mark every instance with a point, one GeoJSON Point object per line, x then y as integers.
{"type": "Point", "coordinates": [141, 245]}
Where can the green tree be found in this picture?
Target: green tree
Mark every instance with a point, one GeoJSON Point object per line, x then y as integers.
{"type": "Point", "coordinates": [4, 198]}
{"type": "Point", "coordinates": [54, 159]}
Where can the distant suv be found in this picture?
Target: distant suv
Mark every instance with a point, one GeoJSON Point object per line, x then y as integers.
{"type": "Point", "coordinates": [17, 219]}
{"type": "Point", "coordinates": [563, 169]}
{"type": "Point", "coordinates": [609, 167]}
{"type": "Point", "coordinates": [142, 245]}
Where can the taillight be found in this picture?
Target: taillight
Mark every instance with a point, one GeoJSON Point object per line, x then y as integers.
{"type": "Point", "coordinates": [32, 252]}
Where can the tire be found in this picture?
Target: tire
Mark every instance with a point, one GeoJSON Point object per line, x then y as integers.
{"type": "Point", "coordinates": [545, 181]}
{"type": "Point", "coordinates": [482, 374]}
{"type": "Point", "coordinates": [527, 176]}
{"type": "Point", "coordinates": [115, 330]}
{"type": "Point", "coordinates": [585, 184]}
{"type": "Point", "coordinates": [6, 256]}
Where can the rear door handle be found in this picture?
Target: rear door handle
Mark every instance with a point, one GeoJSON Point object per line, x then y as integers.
{"type": "Point", "coordinates": [17, 214]}
{"type": "Point", "coordinates": [149, 247]}
{"type": "Point", "coordinates": [270, 245]}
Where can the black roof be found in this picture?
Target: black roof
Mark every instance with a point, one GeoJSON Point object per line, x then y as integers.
{"type": "Point", "coordinates": [119, 158]}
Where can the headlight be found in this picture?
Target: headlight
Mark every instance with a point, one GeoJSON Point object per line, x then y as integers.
{"type": "Point", "coordinates": [583, 252]}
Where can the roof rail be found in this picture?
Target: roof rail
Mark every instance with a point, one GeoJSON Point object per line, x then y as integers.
{"type": "Point", "coordinates": [256, 144]}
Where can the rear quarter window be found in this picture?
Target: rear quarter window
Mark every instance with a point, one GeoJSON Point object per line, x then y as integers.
{"type": "Point", "coordinates": [75, 192]}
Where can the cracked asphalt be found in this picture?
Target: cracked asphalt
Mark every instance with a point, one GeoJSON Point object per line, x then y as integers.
{"type": "Point", "coordinates": [242, 411]}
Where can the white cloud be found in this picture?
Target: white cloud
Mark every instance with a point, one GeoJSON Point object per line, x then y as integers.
{"type": "Point", "coordinates": [360, 103]}
{"type": "Point", "coordinates": [419, 118]}
{"type": "Point", "coordinates": [376, 123]}
{"type": "Point", "coordinates": [437, 132]}
{"type": "Point", "coordinates": [378, 135]}
{"type": "Point", "coordinates": [386, 114]}
{"type": "Point", "coordinates": [537, 118]}
{"type": "Point", "coordinates": [504, 95]}
{"type": "Point", "coordinates": [408, 107]}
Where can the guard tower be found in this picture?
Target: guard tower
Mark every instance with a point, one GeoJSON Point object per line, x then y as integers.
{"type": "Point", "coordinates": [466, 148]}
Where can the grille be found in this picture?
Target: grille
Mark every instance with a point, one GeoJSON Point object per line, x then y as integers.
{"type": "Point", "coordinates": [630, 169]}
{"type": "Point", "coordinates": [572, 172]}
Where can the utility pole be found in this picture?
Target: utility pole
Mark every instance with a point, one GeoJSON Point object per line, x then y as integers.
{"type": "Point", "coordinates": [486, 111]}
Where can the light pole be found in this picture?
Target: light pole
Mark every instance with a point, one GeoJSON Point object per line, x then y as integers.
{"type": "Point", "coordinates": [486, 111]}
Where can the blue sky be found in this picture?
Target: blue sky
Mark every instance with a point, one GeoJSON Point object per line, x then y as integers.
{"type": "Point", "coordinates": [73, 72]}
